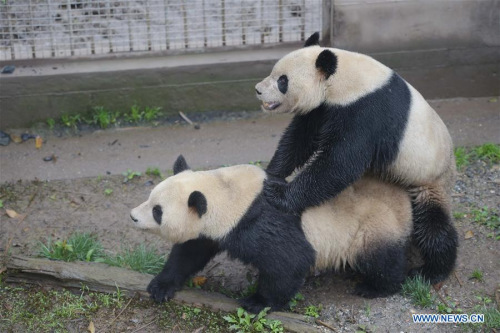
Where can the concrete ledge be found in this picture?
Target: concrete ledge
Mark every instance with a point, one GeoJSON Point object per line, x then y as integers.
{"type": "Point", "coordinates": [217, 81]}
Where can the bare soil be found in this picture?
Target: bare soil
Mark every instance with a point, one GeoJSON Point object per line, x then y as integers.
{"type": "Point", "coordinates": [55, 209]}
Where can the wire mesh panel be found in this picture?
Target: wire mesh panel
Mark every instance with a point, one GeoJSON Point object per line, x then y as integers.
{"type": "Point", "coordinates": [65, 28]}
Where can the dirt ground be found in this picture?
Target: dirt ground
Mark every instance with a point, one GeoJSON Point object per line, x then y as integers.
{"type": "Point", "coordinates": [56, 209]}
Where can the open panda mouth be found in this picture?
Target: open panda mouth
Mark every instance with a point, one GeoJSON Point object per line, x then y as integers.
{"type": "Point", "coordinates": [270, 105]}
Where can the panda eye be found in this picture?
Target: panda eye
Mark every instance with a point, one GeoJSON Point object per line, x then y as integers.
{"type": "Point", "coordinates": [157, 213]}
{"type": "Point", "coordinates": [283, 83]}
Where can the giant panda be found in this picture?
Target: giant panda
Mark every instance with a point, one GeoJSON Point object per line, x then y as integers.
{"type": "Point", "coordinates": [366, 227]}
{"type": "Point", "coordinates": [353, 116]}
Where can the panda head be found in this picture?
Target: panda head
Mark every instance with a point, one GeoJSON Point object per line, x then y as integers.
{"type": "Point", "coordinates": [191, 204]}
{"type": "Point", "coordinates": [174, 208]}
{"type": "Point", "coordinates": [298, 80]}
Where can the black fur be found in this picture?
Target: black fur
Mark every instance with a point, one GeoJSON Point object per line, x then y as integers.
{"type": "Point", "coordinates": [198, 202]}
{"type": "Point", "coordinates": [184, 260]}
{"type": "Point", "coordinates": [351, 140]}
{"type": "Point", "coordinates": [180, 165]}
{"type": "Point", "coordinates": [157, 213]}
{"type": "Point", "coordinates": [327, 63]}
{"type": "Point", "coordinates": [312, 40]}
{"type": "Point", "coordinates": [436, 238]}
{"type": "Point", "coordinates": [383, 269]}
{"type": "Point", "coordinates": [283, 84]}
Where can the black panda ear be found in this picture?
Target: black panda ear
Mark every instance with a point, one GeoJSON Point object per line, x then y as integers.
{"type": "Point", "coordinates": [327, 63]}
{"type": "Point", "coordinates": [180, 165]}
{"type": "Point", "coordinates": [198, 203]}
{"type": "Point", "coordinates": [312, 40]}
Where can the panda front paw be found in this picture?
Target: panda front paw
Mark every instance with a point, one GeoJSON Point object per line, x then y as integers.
{"type": "Point", "coordinates": [160, 290]}
{"type": "Point", "coordinates": [275, 194]}
{"type": "Point", "coordinates": [253, 304]}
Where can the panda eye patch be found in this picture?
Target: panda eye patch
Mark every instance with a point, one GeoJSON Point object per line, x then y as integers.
{"type": "Point", "coordinates": [283, 84]}
{"type": "Point", "coordinates": [157, 213]}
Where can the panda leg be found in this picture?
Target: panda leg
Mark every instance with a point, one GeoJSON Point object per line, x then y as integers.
{"type": "Point", "coordinates": [433, 233]}
{"type": "Point", "coordinates": [274, 291]}
{"type": "Point", "coordinates": [383, 270]}
{"type": "Point", "coordinates": [184, 260]}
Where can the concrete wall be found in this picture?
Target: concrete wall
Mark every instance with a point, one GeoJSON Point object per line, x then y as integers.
{"type": "Point", "coordinates": [445, 48]}
{"type": "Point", "coordinates": [396, 25]}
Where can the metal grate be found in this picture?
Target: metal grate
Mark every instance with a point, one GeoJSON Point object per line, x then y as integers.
{"type": "Point", "coordinates": [65, 28]}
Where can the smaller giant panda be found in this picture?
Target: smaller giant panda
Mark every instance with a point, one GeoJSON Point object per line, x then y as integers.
{"type": "Point", "coordinates": [366, 227]}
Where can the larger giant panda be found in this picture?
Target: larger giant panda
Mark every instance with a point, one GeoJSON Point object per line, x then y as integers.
{"type": "Point", "coordinates": [353, 115]}
{"type": "Point", "coordinates": [367, 227]}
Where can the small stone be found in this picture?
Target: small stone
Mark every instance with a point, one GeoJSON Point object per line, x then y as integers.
{"type": "Point", "coordinates": [197, 126]}
{"type": "Point", "coordinates": [4, 138]}
{"type": "Point", "coordinates": [48, 158]}
{"type": "Point", "coordinates": [27, 136]}
{"type": "Point", "coordinates": [149, 183]}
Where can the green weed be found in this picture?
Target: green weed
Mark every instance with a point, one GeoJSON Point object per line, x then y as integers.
{"type": "Point", "coordinates": [489, 218]}
{"type": "Point", "coordinates": [246, 322]}
{"type": "Point", "coordinates": [102, 117]}
{"type": "Point", "coordinates": [489, 152]}
{"type": "Point", "coordinates": [71, 121]}
{"type": "Point", "coordinates": [129, 175]}
{"type": "Point", "coordinates": [419, 290]}
{"type": "Point", "coordinates": [477, 274]}
{"type": "Point", "coordinates": [79, 246]}
{"type": "Point", "coordinates": [51, 122]}
{"type": "Point", "coordinates": [462, 157]}
{"type": "Point", "coordinates": [135, 115]}
{"type": "Point", "coordinates": [313, 311]}
{"type": "Point", "coordinates": [295, 300]}
{"type": "Point", "coordinates": [141, 258]}
{"type": "Point", "coordinates": [152, 113]}
{"type": "Point", "coordinates": [154, 172]}
{"type": "Point", "coordinates": [108, 191]}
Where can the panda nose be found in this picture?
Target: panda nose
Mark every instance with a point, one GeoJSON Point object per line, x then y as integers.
{"type": "Point", "coordinates": [258, 92]}
{"type": "Point", "coordinates": [133, 219]}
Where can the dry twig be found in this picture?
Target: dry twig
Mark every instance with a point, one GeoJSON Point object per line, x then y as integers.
{"type": "Point", "coordinates": [320, 322]}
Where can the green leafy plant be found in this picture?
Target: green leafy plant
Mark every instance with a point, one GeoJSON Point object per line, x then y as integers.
{"type": "Point", "coordinates": [313, 311]}
{"type": "Point", "coordinates": [295, 300]}
{"type": "Point", "coordinates": [246, 322]}
{"type": "Point", "coordinates": [71, 121]}
{"type": "Point", "coordinates": [489, 218]}
{"type": "Point", "coordinates": [152, 113]}
{"type": "Point", "coordinates": [104, 118]}
{"type": "Point", "coordinates": [419, 290]}
{"type": "Point", "coordinates": [129, 175]}
{"type": "Point", "coordinates": [140, 258]}
{"type": "Point", "coordinates": [108, 191]}
{"type": "Point", "coordinates": [154, 172]}
{"type": "Point", "coordinates": [79, 246]}
{"type": "Point", "coordinates": [51, 122]}
{"type": "Point", "coordinates": [135, 114]}
{"type": "Point", "coordinates": [1, 203]}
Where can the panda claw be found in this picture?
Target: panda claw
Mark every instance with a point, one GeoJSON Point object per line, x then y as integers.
{"type": "Point", "coordinates": [160, 291]}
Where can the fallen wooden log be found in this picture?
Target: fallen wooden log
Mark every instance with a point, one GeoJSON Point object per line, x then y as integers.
{"type": "Point", "coordinates": [103, 278]}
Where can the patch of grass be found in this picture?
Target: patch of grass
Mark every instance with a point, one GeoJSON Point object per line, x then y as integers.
{"type": "Point", "coordinates": [172, 317]}
{"type": "Point", "coordinates": [487, 217]}
{"type": "Point", "coordinates": [246, 322]}
{"type": "Point", "coordinates": [313, 311]}
{"type": "Point", "coordinates": [35, 310]}
{"type": "Point", "coordinates": [71, 121]}
{"type": "Point", "coordinates": [458, 215]}
{"type": "Point", "coordinates": [462, 157]}
{"type": "Point", "coordinates": [141, 258]}
{"type": "Point", "coordinates": [477, 274]}
{"type": "Point", "coordinates": [79, 246]}
{"type": "Point", "coordinates": [129, 175]}
{"type": "Point", "coordinates": [419, 290]}
{"type": "Point", "coordinates": [1, 203]}
{"type": "Point", "coordinates": [489, 152]}
{"type": "Point", "coordinates": [108, 191]}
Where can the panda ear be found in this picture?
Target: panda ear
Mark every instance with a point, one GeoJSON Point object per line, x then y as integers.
{"type": "Point", "coordinates": [180, 165]}
{"type": "Point", "coordinates": [198, 203]}
{"type": "Point", "coordinates": [327, 63]}
{"type": "Point", "coordinates": [312, 40]}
